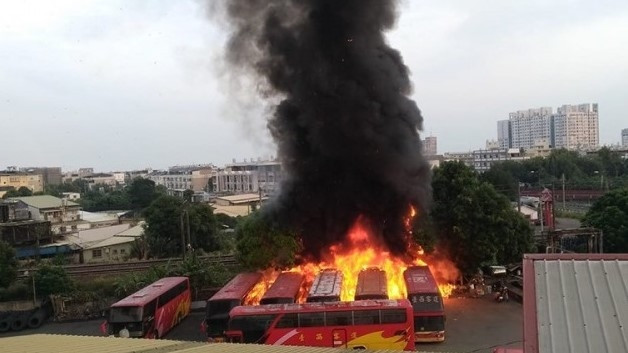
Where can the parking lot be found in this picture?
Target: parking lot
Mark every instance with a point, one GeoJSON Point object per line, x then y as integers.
{"type": "Point", "coordinates": [473, 325]}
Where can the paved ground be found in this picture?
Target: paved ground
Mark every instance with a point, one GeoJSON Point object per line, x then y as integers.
{"type": "Point", "coordinates": [473, 325]}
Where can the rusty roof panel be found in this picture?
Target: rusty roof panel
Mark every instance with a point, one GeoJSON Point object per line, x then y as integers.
{"type": "Point", "coordinates": [581, 305]}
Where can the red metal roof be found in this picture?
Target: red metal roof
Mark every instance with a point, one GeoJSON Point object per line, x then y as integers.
{"type": "Point", "coordinates": [327, 306]}
{"type": "Point", "coordinates": [238, 287]}
{"type": "Point", "coordinates": [419, 280]}
{"type": "Point", "coordinates": [575, 302]}
{"type": "Point", "coordinates": [150, 292]}
{"type": "Point", "coordinates": [371, 282]}
{"type": "Point", "coordinates": [287, 285]}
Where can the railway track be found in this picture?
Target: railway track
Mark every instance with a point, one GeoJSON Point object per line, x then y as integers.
{"type": "Point", "coordinates": [93, 270]}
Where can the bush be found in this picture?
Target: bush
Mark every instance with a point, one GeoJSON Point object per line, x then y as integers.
{"type": "Point", "coordinates": [52, 280]}
{"type": "Point", "coordinates": [20, 290]}
{"type": "Point", "coordinates": [8, 265]}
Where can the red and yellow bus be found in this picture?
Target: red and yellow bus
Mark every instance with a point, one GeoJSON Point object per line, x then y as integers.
{"type": "Point", "coordinates": [365, 324]}
{"type": "Point", "coordinates": [152, 311]}
{"type": "Point", "coordinates": [228, 297]}
{"type": "Point", "coordinates": [427, 303]}
{"type": "Point", "coordinates": [285, 289]}
{"type": "Point", "coordinates": [372, 284]}
{"type": "Point", "coordinates": [325, 287]}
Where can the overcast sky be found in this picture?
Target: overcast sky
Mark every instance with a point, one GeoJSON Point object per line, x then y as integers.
{"type": "Point", "coordinates": [120, 84]}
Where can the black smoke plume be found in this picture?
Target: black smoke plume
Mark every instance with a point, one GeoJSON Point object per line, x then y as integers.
{"type": "Point", "coordinates": [346, 131]}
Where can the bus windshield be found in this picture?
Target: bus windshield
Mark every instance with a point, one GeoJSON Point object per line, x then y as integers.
{"type": "Point", "coordinates": [125, 314]}
{"type": "Point", "coordinates": [429, 323]}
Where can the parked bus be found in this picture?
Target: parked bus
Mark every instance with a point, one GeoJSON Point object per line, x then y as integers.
{"type": "Point", "coordinates": [366, 324]}
{"type": "Point", "coordinates": [228, 297]}
{"type": "Point", "coordinates": [285, 289]}
{"type": "Point", "coordinates": [152, 311]}
{"type": "Point", "coordinates": [372, 284]}
{"type": "Point", "coordinates": [427, 303]}
{"type": "Point", "coordinates": [326, 287]}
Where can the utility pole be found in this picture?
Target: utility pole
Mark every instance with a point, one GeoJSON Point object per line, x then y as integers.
{"type": "Point", "coordinates": [519, 196]}
{"type": "Point", "coordinates": [182, 236]}
{"type": "Point", "coordinates": [564, 207]}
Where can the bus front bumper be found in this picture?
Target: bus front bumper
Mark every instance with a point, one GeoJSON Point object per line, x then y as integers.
{"type": "Point", "coordinates": [437, 336]}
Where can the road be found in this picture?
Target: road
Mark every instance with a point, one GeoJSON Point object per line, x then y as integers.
{"type": "Point", "coordinates": [473, 325]}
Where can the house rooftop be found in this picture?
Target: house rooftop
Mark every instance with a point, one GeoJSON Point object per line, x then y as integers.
{"type": "Point", "coordinates": [45, 201]}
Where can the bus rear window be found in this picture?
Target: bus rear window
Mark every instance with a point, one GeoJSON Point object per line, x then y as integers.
{"type": "Point", "coordinates": [125, 314]}
{"type": "Point", "coordinates": [429, 323]}
{"type": "Point", "coordinates": [253, 327]}
{"type": "Point", "coordinates": [220, 306]}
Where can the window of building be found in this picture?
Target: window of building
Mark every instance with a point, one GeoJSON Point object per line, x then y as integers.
{"type": "Point", "coordinates": [97, 253]}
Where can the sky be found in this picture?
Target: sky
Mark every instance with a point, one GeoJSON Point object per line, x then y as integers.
{"type": "Point", "coordinates": [128, 84]}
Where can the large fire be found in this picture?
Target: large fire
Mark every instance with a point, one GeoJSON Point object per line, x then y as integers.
{"type": "Point", "coordinates": [361, 251]}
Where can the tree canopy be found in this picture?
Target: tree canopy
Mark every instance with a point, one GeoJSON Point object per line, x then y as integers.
{"type": "Point", "coordinates": [610, 214]}
{"type": "Point", "coordinates": [475, 224]}
{"type": "Point", "coordinates": [8, 265]}
{"type": "Point", "coordinates": [22, 191]}
{"type": "Point", "coordinates": [163, 226]}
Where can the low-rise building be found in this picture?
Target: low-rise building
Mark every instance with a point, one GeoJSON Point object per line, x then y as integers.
{"type": "Point", "coordinates": [180, 178]}
{"type": "Point", "coordinates": [62, 214]}
{"type": "Point", "coordinates": [484, 159]}
{"type": "Point", "coordinates": [50, 175]}
{"type": "Point", "coordinates": [249, 177]}
{"type": "Point", "coordinates": [16, 180]}
{"type": "Point", "coordinates": [464, 157]}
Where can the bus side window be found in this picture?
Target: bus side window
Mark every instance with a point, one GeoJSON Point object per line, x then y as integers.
{"type": "Point", "coordinates": [311, 319]}
{"type": "Point", "coordinates": [366, 317]}
{"type": "Point", "coordinates": [288, 321]}
{"type": "Point", "coordinates": [338, 318]}
{"type": "Point", "coordinates": [149, 309]}
{"type": "Point", "coordinates": [395, 316]}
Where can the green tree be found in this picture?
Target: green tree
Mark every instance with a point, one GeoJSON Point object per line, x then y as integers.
{"type": "Point", "coordinates": [22, 191]}
{"type": "Point", "coordinates": [51, 279]}
{"type": "Point", "coordinates": [163, 226]}
{"type": "Point", "coordinates": [8, 265]}
{"type": "Point", "coordinates": [261, 244]}
{"type": "Point", "coordinates": [187, 195]}
{"type": "Point", "coordinates": [141, 193]}
{"type": "Point", "coordinates": [610, 214]}
{"type": "Point", "coordinates": [476, 225]}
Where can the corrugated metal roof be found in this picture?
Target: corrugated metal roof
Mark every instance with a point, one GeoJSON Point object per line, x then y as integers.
{"type": "Point", "coordinates": [580, 304]}
{"type": "Point", "coordinates": [41, 343]}
{"type": "Point", "coordinates": [45, 201]}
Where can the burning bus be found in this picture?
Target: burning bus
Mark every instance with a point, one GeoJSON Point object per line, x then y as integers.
{"type": "Point", "coordinates": [372, 284]}
{"type": "Point", "coordinates": [326, 287]}
{"type": "Point", "coordinates": [285, 289]}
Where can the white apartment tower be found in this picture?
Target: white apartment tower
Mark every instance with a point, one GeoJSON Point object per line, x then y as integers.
{"type": "Point", "coordinates": [624, 137]}
{"type": "Point", "coordinates": [576, 127]}
{"type": "Point", "coordinates": [529, 126]}
{"type": "Point", "coordinates": [503, 134]}
{"type": "Point", "coordinates": [430, 147]}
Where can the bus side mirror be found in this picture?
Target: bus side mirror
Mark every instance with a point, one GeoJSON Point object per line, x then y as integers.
{"type": "Point", "coordinates": [234, 336]}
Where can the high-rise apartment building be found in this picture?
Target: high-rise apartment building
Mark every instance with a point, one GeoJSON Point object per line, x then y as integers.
{"type": "Point", "coordinates": [529, 126]}
{"type": "Point", "coordinates": [572, 127]}
{"type": "Point", "coordinates": [576, 127]}
{"type": "Point", "coordinates": [503, 134]}
{"type": "Point", "coordinates": [430, 147]}
{"type": "Point", "coordinates": [624, 137]}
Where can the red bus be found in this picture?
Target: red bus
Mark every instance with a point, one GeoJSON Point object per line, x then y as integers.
{"type": "Point", "coordinates": [326, 287]}
{"type": "Point", "coordinates": [152, 311]}
{"type": "Point", "coordinates": [285, 289]}
{"type": "Point", "coordinates": [228, 297]}
{"type": "Point", "coordinates": [372, 284]}
{"type": "Point", "coordinates": [427, 302]}
{"type": "Point", "coordinates": [365, 324]}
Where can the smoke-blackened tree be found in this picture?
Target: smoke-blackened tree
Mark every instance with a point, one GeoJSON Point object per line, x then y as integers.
{"type": "Point", "coordinates": [261, 244]}
{"type": "Point", "coordinates": [610, 214]}
{"type": "Point", "coordinates": [476, 225]}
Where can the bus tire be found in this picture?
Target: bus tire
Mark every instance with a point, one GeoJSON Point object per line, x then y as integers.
{"type": "Point", "coordinates": [18, 322]}
{"type": "Point", "coordinates": [36, 319]}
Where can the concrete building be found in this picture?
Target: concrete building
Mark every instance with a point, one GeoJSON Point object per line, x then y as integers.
{"type": "Point", "coordinates": [84, 172]}
{"type": "Point", "coordinates": [465, 157]}
{"type": "Point", "coordinates": [17, 180]}
{"type": "Point", "coordinates": [541, 148]}
{"type": "Point", "coordinates": [576, 127]}
{"type": "Point", "coordinates": [624, 138]}
{"type": "Point", "coordinates": [119, 177]}
{"type": "Point", "coordinates": [249, 177]}
{"type": "Point", "coordinates": [503, 134]}
{"type": "Point", "coordinates": [180, 178]}
{"type": "Point", "coordinates": [430, 146]}
{"type": "Point", "coordinates": [50, 175]}
{"type": "Point", "coordinates": [484, 159]}
{"type": "Point", "coordinates": [527, 126]}
{"type": "Point", "coordinates": [62, 214]}
{"type": "Point", "coordinates": [492, 144]}
{"type": "Point", "coordinates": [100, 179]}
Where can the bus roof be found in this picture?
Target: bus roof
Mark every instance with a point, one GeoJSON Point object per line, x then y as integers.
{"type": "Point", "coordinates": [419, 280]}
{"type": "Point", "coordinates": [238, 287]}
{"type": "Point", "coordinates": [315, 307]}
{"type": "Point", "coordinates": [287, 285]}
{"type": "Point", "coordinates": [150, 292]}
{"type": "Point", "coordinates": [326, 284]}
{"type": "Point", "coordinates": [371, 282]}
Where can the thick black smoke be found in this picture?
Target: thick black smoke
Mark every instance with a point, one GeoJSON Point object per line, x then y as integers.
{"type": "Point", "coordinates": [346, 131]}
